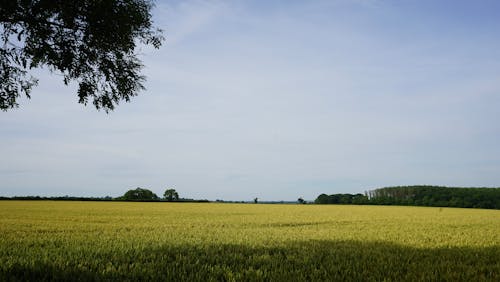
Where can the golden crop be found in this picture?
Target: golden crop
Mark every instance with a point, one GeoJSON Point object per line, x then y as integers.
{"type": "Point", "coordinates": [46, 240]}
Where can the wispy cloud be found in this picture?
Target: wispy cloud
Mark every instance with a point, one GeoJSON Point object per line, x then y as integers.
{"type": "Point", "coordinates": [184, 19]}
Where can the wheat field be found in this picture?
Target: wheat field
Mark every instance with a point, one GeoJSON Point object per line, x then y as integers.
{"type": "Point", "coordinates": [128, 241]}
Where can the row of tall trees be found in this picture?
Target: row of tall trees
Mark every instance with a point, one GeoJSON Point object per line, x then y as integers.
{"type": "Point", "coordinates": [421, 195]}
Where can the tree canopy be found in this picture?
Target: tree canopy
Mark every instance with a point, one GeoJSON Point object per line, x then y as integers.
{"type": "Point", "coordinates": [139, 194]}
{"type": "Point", "coordinates": [171, 195]}
{"type": "Point", "coordinates": [90, 42]}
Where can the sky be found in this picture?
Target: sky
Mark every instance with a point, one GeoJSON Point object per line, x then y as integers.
{"type": "Point", "coordinates": [278, 100]}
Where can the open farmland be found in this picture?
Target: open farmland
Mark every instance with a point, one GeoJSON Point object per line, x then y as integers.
{"type": "Point", "coordinates": [44, 240]}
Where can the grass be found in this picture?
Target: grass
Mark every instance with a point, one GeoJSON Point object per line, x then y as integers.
{"type": "Point", "coordinates": [44, 240]}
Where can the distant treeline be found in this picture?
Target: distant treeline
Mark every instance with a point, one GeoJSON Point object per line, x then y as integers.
{"type": "Point", "coordinates": [107, 198]}
{"type": "Point", "coordinates": [433, 196]}
{"type": "Point", "coordinates": [59, 198]}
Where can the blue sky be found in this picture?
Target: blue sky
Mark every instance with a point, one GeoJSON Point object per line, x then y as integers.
{"type": "Point", "coordinates": [278, 100]}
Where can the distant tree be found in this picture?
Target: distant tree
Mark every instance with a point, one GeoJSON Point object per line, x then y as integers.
{"type": "Point", "coordinates": [322, 199]}
{"type": "Point", "coordinates": [171, 195]}
{"type": "Point", "coordinates": [359, 199]}
{"type": "Point", "coordinates": [256, 200]}
{"type": "Point", "coordinates": [90, 42]}
{"type": "Point", "coordinates": [140, 194]}
{"type": "Point", "coordinates": [301, 201]}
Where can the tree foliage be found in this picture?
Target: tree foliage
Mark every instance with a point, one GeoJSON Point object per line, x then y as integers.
{"type": "Point", "coordinates": [171, 195]}
{"type": "Point", "coordinates": [421, 195]}
{"type": "Point", "coordinates": [437, 196]}
{"type": "Point", "coordinates": [139, 194]}
{"type": "Point", "coordinates": [91, 42]}
{"type": "Point", "coordinates": [342, 199]}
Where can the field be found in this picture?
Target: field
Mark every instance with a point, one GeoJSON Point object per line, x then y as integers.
{"type": "Point", "coordinates": [49, 240]}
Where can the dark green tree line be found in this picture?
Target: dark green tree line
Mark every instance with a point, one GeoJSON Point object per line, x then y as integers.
{"type": "Point", "coordinates": [421, 195]}
{"type": "Point", "coordinates": [342, 199]}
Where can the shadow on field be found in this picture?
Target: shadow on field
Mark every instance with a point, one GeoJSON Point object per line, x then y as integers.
{"type": "Point", "coordinates": [297, 261]}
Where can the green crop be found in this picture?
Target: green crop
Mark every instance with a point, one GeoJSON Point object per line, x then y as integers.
{"type": "Point", "coordinates": [95, 241]}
